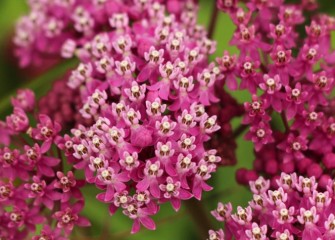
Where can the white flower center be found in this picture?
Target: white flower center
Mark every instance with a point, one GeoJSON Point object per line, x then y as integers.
{"type": "Point", "coordinates": [64, 180]}
{"type": "Point", "coordinates": [135, 89]}
{"type": "Point", "coordinates": [182, 65]}
{"type": "Point", "coordinates": [129, 160]}
{"type": "Point", "coordinates": [170, 187]}
{"type": "Point", "coordinates": [187, 160]}
{"type": "Point", "coordinates": [247, 66]}
{"type": "Point", "coordinates": [283, 236]}
{"type": "Point", "coordinates": [281, 54]}
{"type": "Point", "coordinates": [256, 105]}
{"type": "Point", "coordinates": [97, 160]}
{"type": "Point", "coordinates": [123, 199]}
{"type": "Point", "coordinates": [312, 52]}
{"type": "Point", "coordinates": [296, 92]}
{"type": "Point", "coordinates": [166, 125]}
{"type": "Point", "coordinates": [203, 168]}
{"type": "Point", "coordinates": [155, 105]}
{"type": "Point", "coordinates": [140, 197]}
{"type": "Point", "coordinates": [256, 231]}
{"type": "Point", "coordinates": [66, 218]}
{"type": "Point", "coordinates": [187, 141]}
{"type": "Point", "coordinates": [155, 53]}
{"type": "Point", "coordinates": [153, 167]}
{"type": "Point", "coordinates": [270, 82]}
{"type": "Point", "coordinates": [165, 148]}
{"type": "Point", "coordinates": [313, 116]}
{"type": "Point", "coordinates": [212, 158]}
{"type": "Point", "coordinates": [296, 146]}
{"type": "Point", "coordinates": [284, 212]}
{"type": "Point", "coordinates": [260, 133]}
{"type": "Point", "coordinates": [105, 173]}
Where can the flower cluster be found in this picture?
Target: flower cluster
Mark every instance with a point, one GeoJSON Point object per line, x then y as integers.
{"type": "Point", "coordinates": [62, 104]}
{"type": "Point", "coordinates": [146, 84]}
{"type": "Point", "coordinates": [224, 140]}
{"type": "Point", "coordinates": [295, 80]}
{"type": "Point", "coordinates": [56, 27]}
{"type": "Point", "coordinates": [295, 209]}
{"type": "Point", "coordinates": [33, 187]}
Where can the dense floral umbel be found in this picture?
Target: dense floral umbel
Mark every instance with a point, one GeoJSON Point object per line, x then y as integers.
{"type": "Point", "coordinates": [62, 104]}
{"type": "Point", "coordinates": [56, 27]}
{"type": "Point", "coordinates": [33, 188]}
{"type": "Point", "coordinates": [146, 83]}
{"type": "Point", "coordinates": [294, 77]}
{"type": "Point", "coordinates": [295, 209]}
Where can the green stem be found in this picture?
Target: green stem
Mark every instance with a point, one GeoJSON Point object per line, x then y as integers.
{"type": "Point", "coordinates": [213, 21]}
{"type": "Point", "coordinates": [283, 117]}
{"type": "Point", "coordinates": [238, 131]}
{"type": "Point", "coordinates": [200, 216]}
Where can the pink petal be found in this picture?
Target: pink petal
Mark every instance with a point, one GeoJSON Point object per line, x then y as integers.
{"type": "Point", "coordinates": [136, 226]}
{"type": "Point", "coordinates": [206, 187]}
{"type": "Point", "coordinates": [78, 206]}
{"type": "Point", "coordinates": [231, 82]}
{"type": "Point", "coordinates": [176, 203]}
{"type": "Point", "coordinates": [119, 186]}
{"type": "Point", "coordinates": [143, 185]}
{"type": "Point", "coordinates": [170, 169]}
{"type": "Point", "coordinates": [148, 223]}
{"type": "Point", "coordinates": [80, 165]}
{"type": "Point", "coordinates": [101, 197]}
{"type": "Point", "coordinates": [123, 177]}
{"type": "Point", "coordinates": [183, 194]}
{"type": "Point", "coordinates": [112, 209]}
{"type": "Point", "coordinates": [144, 74]}
{"type": "Point", "coordinates": [48, 203]}
{"type": "Point", "coordinates": [83, 222]}
{"type": "Point", "coordinates": [290, 112]}
{"type": "Point", "coordinates": [154, 189]}
{"type": "Point", "coordinates": [51, 161]}
{"type": "Point", "coordinates": [197, 190]}
{"type": "Point", "coordinates": [46, 146]}
{"type": "Point", "coordinates": [45, 170]}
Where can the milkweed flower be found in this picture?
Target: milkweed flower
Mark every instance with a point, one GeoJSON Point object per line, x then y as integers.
{"type": "Point", "coordinates": [28, 169]}
{"type": "Point", "coordinates": [146, 85]}
{"type": "Point", "coordinates": [294, 209]}
{"type": "Point", "coordinates": [288, 82]}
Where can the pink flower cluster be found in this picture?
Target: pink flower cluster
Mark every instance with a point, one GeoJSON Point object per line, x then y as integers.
{"type": "Point", "coordinates": [146, 84]}
{"type": "Point", "coordinates": [62, 104]}
{"type": "Point", "coordinates": [33, 188]}
{"type": "Point", "coordinates": [224, 140]}
{"type": "Point", "coordinates": [56, 27]}
{"type": "Point", "coordinates": [295, 209]}
{"type": "Point", "coordinates": [294, 80]}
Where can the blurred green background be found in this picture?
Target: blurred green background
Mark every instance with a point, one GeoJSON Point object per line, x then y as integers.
{"type": "Point", "coordinates": [170, 225]}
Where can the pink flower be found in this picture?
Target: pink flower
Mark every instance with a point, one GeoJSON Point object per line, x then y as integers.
{"type": "Point", "coordinates": [69, 186]}
{"type": "Point", "coordinates": [34, 157]}
{"type": "Point", "coordinates": [111, 181]}
{"type": "Point", "coordinates": [172, 190]}
{"type": "Point", "coordinates": [296, 215]}
{"type": "Point", "coordinates": [25, 99]}
{"type": "Point", "coordinates": [68, 217]}
{"type": "Point", "coordinates": [257, 232]}
{"type": "Point", "coordinates": [152, 171]}
{"type": "Point", "coordinates": [18, 121]}
{"type": "Point", "coordinates": [140, 216]}
{"type": "Point", "coordinates": [42, 193]}
{"type": "Point", "coordinates": [46, 131]}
